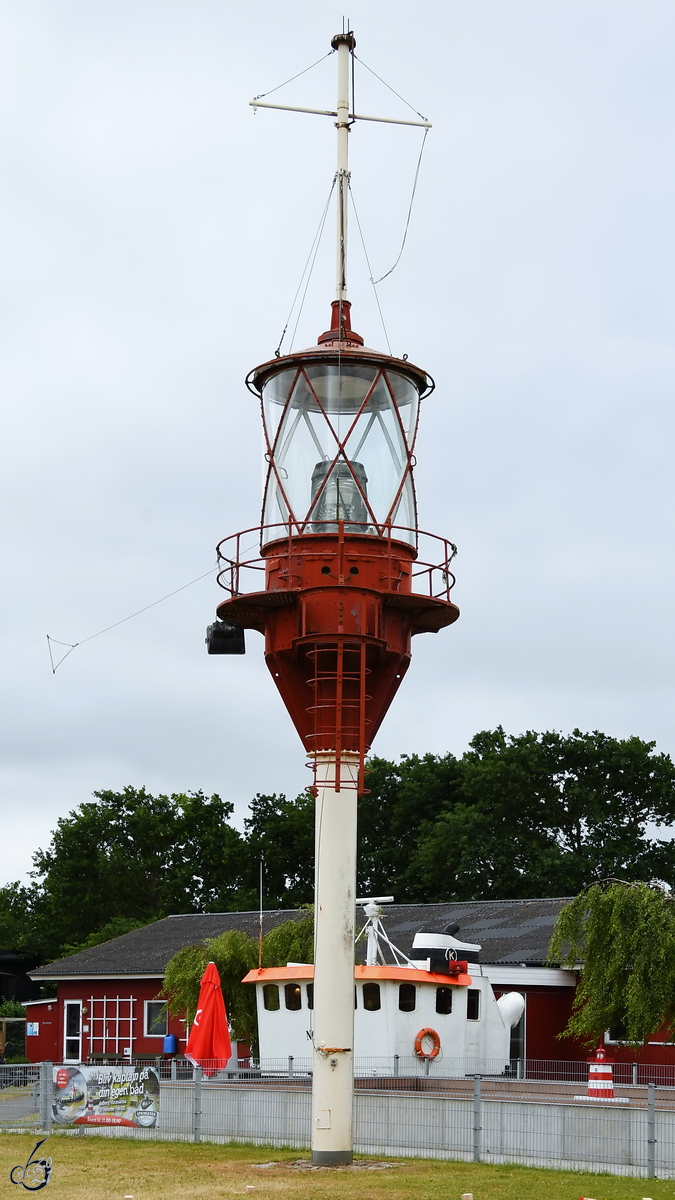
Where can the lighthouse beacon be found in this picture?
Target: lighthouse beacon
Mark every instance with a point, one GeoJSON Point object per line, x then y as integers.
{"type": "Point", "coordinates": [341, 582]}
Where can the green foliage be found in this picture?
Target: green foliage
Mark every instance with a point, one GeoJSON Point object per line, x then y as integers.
{"type": "Point", "coordinates": [404, 800]}
{"type": "Point", "coordinates": [20, 918]}
{"type": "Point", "coordinates": [624, 935]}
{"type": "Point", "coordinates": [292, 941]}
{"type": "Point", "coordinates": [281, 832]}
{"type": "Point", "coordinates": [12, 1008]}
{"type": "Point", "coordinates": [127, 856]}
{"type": "Point", "coordinates": [545, 815]}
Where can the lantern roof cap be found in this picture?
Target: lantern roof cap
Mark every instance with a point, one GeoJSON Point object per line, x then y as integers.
{"type": "Point", "coordinates": [339, 344]}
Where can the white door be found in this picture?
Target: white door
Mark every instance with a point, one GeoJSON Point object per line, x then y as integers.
{"type": "Point", "coordinates": [72, 1031]}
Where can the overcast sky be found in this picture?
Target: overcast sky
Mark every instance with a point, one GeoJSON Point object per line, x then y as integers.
{"type": "Point", "coordinates": [153, 232]}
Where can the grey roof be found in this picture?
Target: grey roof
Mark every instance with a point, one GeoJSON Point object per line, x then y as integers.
{"type": "Point", "coordinates": [509, 931]}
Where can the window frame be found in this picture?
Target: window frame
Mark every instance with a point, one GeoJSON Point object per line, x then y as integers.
{"type": "Point", "coordinates": [444, 1012]}
{"type": "Point", "coordinates": [407, 1008]}
{"type": "Point", "coordinates": [146, 1022]}
{"type": "Point", "coordinates": [296, 989]}
{"type": "Point", "coordinates": [373, 989]}
{"type": "Point", "coordinates": [73, 1037]}
{"type": "Point", "coordinates": [470, 993]}
{"type": "Point", "coordinates": [267, 988]}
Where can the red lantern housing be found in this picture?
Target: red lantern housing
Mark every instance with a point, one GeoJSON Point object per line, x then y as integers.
{"type": "Point", "coordinates": [346, 581]}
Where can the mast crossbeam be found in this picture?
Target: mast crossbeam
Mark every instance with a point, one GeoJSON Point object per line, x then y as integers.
{"type": "Point", "coordinates": [326, 112]}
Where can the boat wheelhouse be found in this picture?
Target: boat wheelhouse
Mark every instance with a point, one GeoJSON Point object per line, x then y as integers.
{"type": "Point", "coordinates": [407, 1011]}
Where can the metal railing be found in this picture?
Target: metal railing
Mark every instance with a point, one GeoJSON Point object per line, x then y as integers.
{"type": "Point", "coordinates": [243, 572]}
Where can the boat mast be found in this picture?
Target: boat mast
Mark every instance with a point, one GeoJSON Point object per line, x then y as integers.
{"type": "Point", "coordinates": [344, 43]}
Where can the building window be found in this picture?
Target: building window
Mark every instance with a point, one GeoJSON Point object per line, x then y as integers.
{"type": "Point", "coordinates": [444, 1000]}
{"type": "Point", "coordinates": [310, 995]}
{"type": "Point", "coordinates": [271, 997]}
{"type": "Point", "coordinates": [293, 996]}
{"type": "Point", "coordinates": [617, 1033]}
{"type": "Point", "coordinates": [472, 1004]}
{"type": "Point", "coordinates": [407, 997]}
{"type": "Point", "coordinates": [155, 1018]}
{"type": "Point", "coordinates": [371, 997]}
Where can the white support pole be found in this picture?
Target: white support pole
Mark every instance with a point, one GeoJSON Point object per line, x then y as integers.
{"type": "Point", "coordinates": [335, 897]}
{"type": "Point", "coordinates": [344, 43]}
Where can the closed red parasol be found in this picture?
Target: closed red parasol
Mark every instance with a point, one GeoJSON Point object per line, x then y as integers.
{"type": "Point", "coordinates": [209, 1043]}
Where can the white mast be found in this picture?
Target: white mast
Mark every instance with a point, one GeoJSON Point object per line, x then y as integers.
{"type": "Point", "coordinates": [344, 43]}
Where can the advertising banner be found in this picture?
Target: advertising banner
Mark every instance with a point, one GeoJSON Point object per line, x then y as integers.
{"type": "Point", "coordinates": [124, 1095]}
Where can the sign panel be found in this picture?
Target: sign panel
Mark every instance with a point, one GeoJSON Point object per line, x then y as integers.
{"type": "Point", "coordinates": [90, 1095]}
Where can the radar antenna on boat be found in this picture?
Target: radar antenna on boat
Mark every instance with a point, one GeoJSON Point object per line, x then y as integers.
{"type": "Point", "coordinates": [376, 933]}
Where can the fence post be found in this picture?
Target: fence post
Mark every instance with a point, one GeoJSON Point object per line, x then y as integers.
{"type": "Point", "coordinates": [290, 1066]}
{"type": "Point", "coordinates": [197, 1116]}
{"type": "Point", "coordinates": [427, 1065]}
{"type": "Point", "coordinates": [476, 1119]}
{"type": "Point", "coordinates": [46, 1084]}
{"type": "Point", "coordinates": [396, 1058]}
{"type": "Point", "coordinates": [651, 1130]}
{"type": "Point", "coordinates": [174, 1070]}
{"type": "Point", "coordinates": [635, 1074]}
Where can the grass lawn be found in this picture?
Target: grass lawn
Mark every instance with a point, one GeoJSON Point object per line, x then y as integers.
{"type": "Point", "coordinates": [94, 1168]}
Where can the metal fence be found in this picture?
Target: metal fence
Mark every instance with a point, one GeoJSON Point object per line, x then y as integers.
{"type": "Point", "coordinates": [24, 1088]}
{"type": "Point", "coordinates": [400, 1067]}
{"type": "Point", "coordinates": [488, 1117]}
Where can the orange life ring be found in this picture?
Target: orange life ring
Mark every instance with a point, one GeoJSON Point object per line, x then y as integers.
{"type": "Point", "coordinates": [428, 1033]}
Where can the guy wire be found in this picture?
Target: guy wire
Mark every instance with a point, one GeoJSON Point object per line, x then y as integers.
{"type": "Point", "coordinates": [312, 254]}
{"type": "Point", "coordinates": [317, 238]}
{"type": "Point", "coordinates": [410, 207]}
{"type": "Point", "coordinates": [303, 72]}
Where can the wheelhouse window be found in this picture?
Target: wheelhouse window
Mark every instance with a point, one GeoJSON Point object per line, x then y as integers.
{"type": "Point", "coordinates": [444, 1000]}
{"type": "Point", "coordinates": [371, 997]}
{"type": "Point", "coordinates": [293, 996]}
{"type": "Point", "coordinates": [310, 995]}
{"type": "Point", "coordinates": [407, 997]}
{"type": "Point", "coordinates": [271, 997]}
{"type": "Point", "coordinates": [155, 1018]}
{"type": "Point", "coordinates": [473, 1004]}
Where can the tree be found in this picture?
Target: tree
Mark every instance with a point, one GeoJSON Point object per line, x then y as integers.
{"type": "Point", "coordinates": [544, 815]}
{"type": "Point", "coordinates": [281, 832]}
{"type": "Point", "coordinates": [20, 919]}
{"type": "Point", "coordinates": [623, 936]}
{"type": "Point", "coordinates": [403, 799]}
{"type": "Point", "coordinates": [133, 856]}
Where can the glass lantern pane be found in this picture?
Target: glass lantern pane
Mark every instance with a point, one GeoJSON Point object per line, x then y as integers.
{"type": "Point", "coordinates": [309, 416]}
